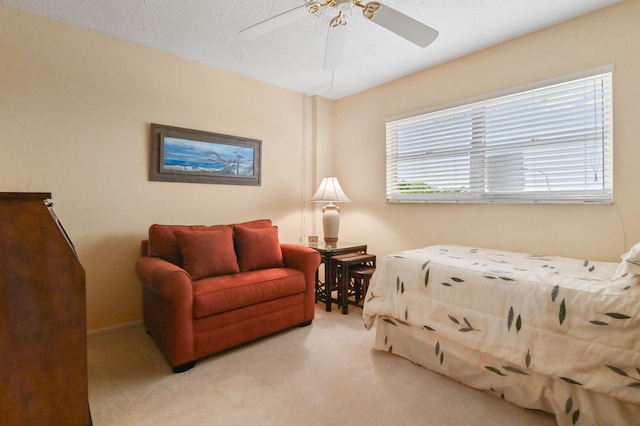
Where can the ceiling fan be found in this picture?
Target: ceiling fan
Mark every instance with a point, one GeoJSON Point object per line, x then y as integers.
{"type": "Point", "coordinates": [397, 22]}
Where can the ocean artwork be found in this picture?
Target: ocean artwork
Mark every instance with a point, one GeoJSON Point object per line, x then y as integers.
{"type": "Point", "coordinates": [194, 156]}
{"type": "Point", "coordinates": [191, 156]}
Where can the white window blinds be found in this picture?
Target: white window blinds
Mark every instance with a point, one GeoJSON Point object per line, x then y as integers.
{"type": "Point", "coordinates": [551, 144]}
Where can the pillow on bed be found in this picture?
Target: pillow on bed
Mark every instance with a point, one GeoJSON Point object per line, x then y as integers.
{"type": "Point", "coordinates": [630, 264]}
{"type": "Point", "coordinates": [208, 253]}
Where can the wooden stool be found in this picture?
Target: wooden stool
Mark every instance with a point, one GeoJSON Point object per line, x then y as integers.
{"type": "Point", "coordinates": [361, 278]}
{"type": "Point", "coordinates": [342, 265]}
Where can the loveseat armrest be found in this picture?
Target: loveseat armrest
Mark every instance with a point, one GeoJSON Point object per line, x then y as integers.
{"type": "Point", "coordinates": [302, 258]}
{"type": "Point", "coordinates": [307, 260]}
{"type": "Point", "coordinates": [168, 307]}
{"type": "Point", "coordinates": [164, 278]}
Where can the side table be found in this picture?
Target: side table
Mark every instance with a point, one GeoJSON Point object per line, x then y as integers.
{"type": "Point", "coordinates": [327, 251]}
{"type": "Point", "coordinates": [344, 266]}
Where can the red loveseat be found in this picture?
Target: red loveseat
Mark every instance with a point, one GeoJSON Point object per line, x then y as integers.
{"type": "Point", "coordinates": [209, 288]}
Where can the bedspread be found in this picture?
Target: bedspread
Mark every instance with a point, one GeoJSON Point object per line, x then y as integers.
{"type": "Point", "coordinates": [538, 315]}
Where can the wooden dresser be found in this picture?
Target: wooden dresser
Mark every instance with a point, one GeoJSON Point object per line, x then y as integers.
{"type": "Point", "coordinates": [43, 332]}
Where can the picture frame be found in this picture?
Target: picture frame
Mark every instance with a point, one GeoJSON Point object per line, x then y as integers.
{"type": "Point", "coordinates": [194, 156]}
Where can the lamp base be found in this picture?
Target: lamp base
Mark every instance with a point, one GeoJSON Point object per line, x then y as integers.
{"type": "Point", "coordinates": [331, 223]}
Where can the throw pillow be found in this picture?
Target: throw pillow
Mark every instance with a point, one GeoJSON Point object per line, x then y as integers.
{"type": "Point", "coordinates": [630, 264]}
{"type": "Point", "coordinates": [259, 223]}
{"type": "Point", "coordinates": [163, 242]}
{"type": "Point", "coordinates": [258, 248]}
{"type": "Point", "coordinates": [208, 253]}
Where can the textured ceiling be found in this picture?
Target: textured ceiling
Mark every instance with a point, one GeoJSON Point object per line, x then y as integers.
{"type": "Point", "coordinates": [292, 56]}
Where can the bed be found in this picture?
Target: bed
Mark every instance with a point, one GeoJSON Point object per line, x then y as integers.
{"type": "Point", "coordinates": [550, 333]}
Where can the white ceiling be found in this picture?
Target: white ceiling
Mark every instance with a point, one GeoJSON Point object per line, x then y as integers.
{"type": "Point", "coordinates": [292, 56]}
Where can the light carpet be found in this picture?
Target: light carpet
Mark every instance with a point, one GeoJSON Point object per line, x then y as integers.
{"type": "Point", "coordinates": [326, 373]}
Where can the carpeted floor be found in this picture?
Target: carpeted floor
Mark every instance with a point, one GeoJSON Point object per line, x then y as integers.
{"type": "Point", "coordinates": [324, 374]}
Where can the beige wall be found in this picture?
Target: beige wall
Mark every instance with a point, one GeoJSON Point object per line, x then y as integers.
{"type": "Point", "coordinates": [75, 108]}
{"type": "Point", "coordinates": [610, 36]}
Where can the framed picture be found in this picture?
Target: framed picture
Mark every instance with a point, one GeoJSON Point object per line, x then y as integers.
{"type": "Point", "coordinates": [184, 155]}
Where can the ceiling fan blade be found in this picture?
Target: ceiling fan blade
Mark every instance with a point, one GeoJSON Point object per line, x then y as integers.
{"type": "Point", "coordinates": [276, 22]}
{"type": "Point", "coordinates": [399, 23]}
{"type": "Point", "coordinates": [334, 51]}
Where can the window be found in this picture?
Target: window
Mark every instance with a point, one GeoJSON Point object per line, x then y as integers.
{"type": "Point", "coordinates": [550, 144]}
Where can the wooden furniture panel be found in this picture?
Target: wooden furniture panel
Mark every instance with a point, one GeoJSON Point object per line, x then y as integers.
{"type": "Point", "coordinates": [43, 336]}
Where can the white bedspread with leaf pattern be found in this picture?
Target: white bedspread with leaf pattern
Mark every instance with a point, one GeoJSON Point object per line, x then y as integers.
{"type": "Point", "coordinates": [559, 317]}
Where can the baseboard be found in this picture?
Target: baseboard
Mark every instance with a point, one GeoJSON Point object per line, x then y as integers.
{"type": "Point", "coordinates": [114, 329]}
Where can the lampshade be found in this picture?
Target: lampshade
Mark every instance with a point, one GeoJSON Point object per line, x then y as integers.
{"type": "Point", "coordinates": [330, 190]}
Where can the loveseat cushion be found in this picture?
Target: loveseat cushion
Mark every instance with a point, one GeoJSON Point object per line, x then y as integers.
{"type": "Point", "coordinates": [224, 293]}
{"type": "Point", "coordinates": [208, 253]}
{"type": "Point", "coordinates": [257, 248]}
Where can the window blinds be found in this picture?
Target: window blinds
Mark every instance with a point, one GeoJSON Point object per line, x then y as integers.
{"type": "Point", "coordinates": [551, 144]}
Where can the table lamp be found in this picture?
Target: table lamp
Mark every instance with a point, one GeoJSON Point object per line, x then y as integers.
{"type": "Point", "coordinates": [330, 191]}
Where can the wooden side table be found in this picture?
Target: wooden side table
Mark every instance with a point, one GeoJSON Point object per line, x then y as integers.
{"type": "Point", "coordinates": [324, 289]}
{"type": "Point", "coordinates": [343, 266]}
{"type": "Point", "coordinates": [361, 278]}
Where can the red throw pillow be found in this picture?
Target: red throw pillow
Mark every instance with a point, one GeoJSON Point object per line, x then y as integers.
{"type": "Point", "coordinates": [259, 223]}
{"type": "Point", "coordinates": [164, 244]}
{"type": "Point", "coordinates": [257, 248]}
{"type": "Point", "coordinates": [208, 253]}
